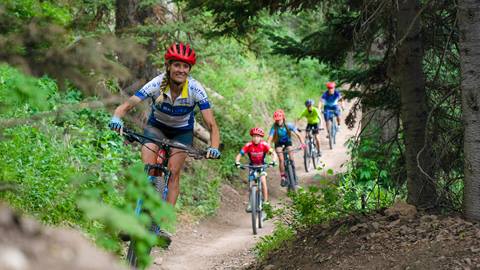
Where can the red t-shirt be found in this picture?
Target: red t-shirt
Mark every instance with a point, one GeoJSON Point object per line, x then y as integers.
{"type": "Point", "coordinates": [256, 152]}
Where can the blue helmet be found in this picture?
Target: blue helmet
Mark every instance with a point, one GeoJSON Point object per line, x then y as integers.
{"type": "Point", "coordinates": [309, 102]}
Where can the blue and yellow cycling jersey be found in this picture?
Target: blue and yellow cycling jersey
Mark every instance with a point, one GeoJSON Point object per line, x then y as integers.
{"type": "Point", "coordinates": [282, 132]}
{"type": "Point", "coordinates": [176, 114]}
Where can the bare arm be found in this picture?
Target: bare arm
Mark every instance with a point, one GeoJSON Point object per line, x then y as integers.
{"type": "Point", "coordinates": [299, 136]}
{"type": "Point", "coordinates": [237, 159]}
{"type": "Point", "coordinates": [269, 140]}
{"type": "Point", "coordinates": [124, 108]}
{"type": "Point", "coordinates": [212, 126]}
{"type": "Point", "coordinates": [274, 156]}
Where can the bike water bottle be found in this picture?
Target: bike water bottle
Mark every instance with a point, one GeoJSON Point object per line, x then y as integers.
{"type": "Point", "coordinates": [162, 154]}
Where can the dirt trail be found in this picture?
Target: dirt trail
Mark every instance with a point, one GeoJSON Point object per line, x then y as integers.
{"type": "Point", "coordinates": [225, 241]}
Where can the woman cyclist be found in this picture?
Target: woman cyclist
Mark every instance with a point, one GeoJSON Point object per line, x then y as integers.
{"type": "Point", "coordinates": [174, 95]}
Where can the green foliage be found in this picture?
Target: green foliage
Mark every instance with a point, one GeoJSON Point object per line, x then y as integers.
{"type": "Point", "coordinates": [200, 194]}
{"type": "Point", "coordinates": [269, 243]}
{"type": "Point", "coordinates": [16, 89]}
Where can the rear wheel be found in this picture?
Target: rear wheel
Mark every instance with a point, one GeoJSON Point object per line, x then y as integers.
{"type": "Point", "coordinates": [253, 203]}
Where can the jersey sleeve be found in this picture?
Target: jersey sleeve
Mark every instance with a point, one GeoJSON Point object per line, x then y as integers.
{"type": "Point", "coordinates": [244, 149]}
{"type": "Point", "coordinates": [324, 98]}
{"type": "Point", "coordinates": [266, 147]}
{"type": "Point", "coordinates": [304, 114]}
{"type": "Point", "coordinates": [200, 96]}
{"type": "Point", "coordinates": [151, 88]}
{"type": "Point", "coordinates": [272, 131]}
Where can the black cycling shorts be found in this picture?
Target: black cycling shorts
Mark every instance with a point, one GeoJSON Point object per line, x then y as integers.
{"type": "Point", "coordinates": [313, 127]}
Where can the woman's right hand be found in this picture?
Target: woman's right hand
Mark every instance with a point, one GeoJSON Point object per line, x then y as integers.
{"type": "Point", "coordinates": [116, 124]}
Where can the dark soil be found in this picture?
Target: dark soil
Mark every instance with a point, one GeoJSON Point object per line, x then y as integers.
{"type": "Point", "coordinates": [383, 240]}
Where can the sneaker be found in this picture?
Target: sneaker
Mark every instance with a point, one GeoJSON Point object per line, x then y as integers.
{"type": "Point", "coordinates": [319, 153]}
{"type": "Point", "coordinates": [283, 181]}
{"type": "Point", "coordinates": [165, 238]}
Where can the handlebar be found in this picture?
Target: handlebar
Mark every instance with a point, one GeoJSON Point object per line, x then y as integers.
{"type": "Point", "coordinates": [248, 166]}
{"type": "Point", "coordinates": [132, 136]}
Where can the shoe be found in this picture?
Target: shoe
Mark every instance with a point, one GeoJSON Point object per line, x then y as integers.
{"type": "Point", "coordinates": [338, 128]}
{"type": "Point", "coordinates": [249, 208]}
{"type": "Point", "coordinates": [319, 153]}
{"type": "Point", "coordinates": [283, 181]}
{"type": "Point", "coordinates": [164, 237]}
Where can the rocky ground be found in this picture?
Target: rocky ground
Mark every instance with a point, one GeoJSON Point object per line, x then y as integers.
{"type": "Point", "coordinates": [26, 245]}
{"type": "Point", "coordinates": [396, 238]}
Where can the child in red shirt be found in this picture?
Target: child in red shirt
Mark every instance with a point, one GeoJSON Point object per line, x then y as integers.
{"type": "Point", "coordinates": [257, 150]}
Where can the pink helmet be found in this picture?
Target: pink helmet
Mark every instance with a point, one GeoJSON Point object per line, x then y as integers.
{"type": "Point", "coordinates": [257, 131]}
{"type": "Point", "coordinates": [278, 115]}
{"type": "Point", "coordinates": [181, 52]}
{"type": "Point", "coordinates": [330, 85]}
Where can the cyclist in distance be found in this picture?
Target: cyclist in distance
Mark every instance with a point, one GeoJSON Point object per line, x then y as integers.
{"type": "Point", "coordinates": [281, 135]}
{"type": "Point", "coordinates": [329, 103]}
{"type": "Point", "coordinates": [174, 95]}
{"type": "Point", "coordinates": [313, 120]}
{"type": "Point", "coordinates": [257, 150]}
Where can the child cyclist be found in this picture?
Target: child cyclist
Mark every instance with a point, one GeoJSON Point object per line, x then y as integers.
{"type": "Point", "coordinates": [281, 135]}
{"type": "Point", "coordinates": [257, 150]}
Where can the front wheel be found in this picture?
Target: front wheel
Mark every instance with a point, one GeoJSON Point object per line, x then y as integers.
{"type": "Point", "coordinates": [131, 257]}
{"type": "Point", "coordinates": [331, 135]}
{"type": "Point", "coordinates": [253, 203]}
{"type": "Point", "coordinates": [306, 157]}
{"type": "Point", "coordinates": [291, 178]}
{"type": "Point", "coordinates": [260, 208]}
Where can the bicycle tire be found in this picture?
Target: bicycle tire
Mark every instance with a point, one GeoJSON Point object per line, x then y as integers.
{"type": "Point", "coordinates": [306, 158]}
{"type": "Point", "coordinates": [260, 208]}
{"type": "Point", "coordinates": [131, 257]}
{"type": "Point", "coordinates": [334, 129]}
{"type": "Point", "coordinates": [330, 135]}
{"type": "Point", "coordinates": [253, 199]}
{"type": "Point", "coordinates": [291, 178]}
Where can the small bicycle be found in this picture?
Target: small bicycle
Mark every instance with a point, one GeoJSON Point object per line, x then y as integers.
{"type": "Point", "coordinates": [255, 195]}
{"type": "Point", "coordinates": [292, 180]}
{"type": "Point", "coordinates": [161, 185]}
{"type": "Point", "coordinates": [312, 152]}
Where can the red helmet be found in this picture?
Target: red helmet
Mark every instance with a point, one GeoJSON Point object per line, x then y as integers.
{"type": "Point", "coordinates": [257, 131]}
{"type": "Point", "coordinates": [330, 85]}
{"type": "Point", "coordinates": [181, 52]}
{"type": "Point", "coordinates": [278, 115]}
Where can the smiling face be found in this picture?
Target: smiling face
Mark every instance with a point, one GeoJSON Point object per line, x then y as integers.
{"type": "Point", "coordinates": [179, 71]}
{"type": "Point", "coordinates": [256, 139]}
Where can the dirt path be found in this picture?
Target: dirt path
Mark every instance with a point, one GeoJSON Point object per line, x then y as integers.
{"type": "Point", "coordinates": [225, 241]}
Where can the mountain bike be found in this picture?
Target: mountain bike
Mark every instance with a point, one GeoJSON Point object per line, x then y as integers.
{"type": "Point", "coordinates": [332, 131]}
{"type": "Point", "coordinates": [161, 183]}
{"type": "Point", "coordinates": [255, 195]}
{"type": "Point", "coordinates": [312, 152]}
{"type": "Point", "coordinates": [292, 180]}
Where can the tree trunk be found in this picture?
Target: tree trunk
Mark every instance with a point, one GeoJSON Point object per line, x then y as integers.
{"type": "Point", "coordinates": [469, 24]}
{"type": "Point", "coordinates": [129, 15]}
{"type": "Point", "coordinates": [409, 77]}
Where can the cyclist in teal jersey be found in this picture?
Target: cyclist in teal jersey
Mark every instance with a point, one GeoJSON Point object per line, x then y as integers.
{"type": "Point", "coordinates": [281, 134]}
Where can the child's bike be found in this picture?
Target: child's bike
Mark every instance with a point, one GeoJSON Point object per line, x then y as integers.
{"type": "Point", "coordinates": [255, 195]}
